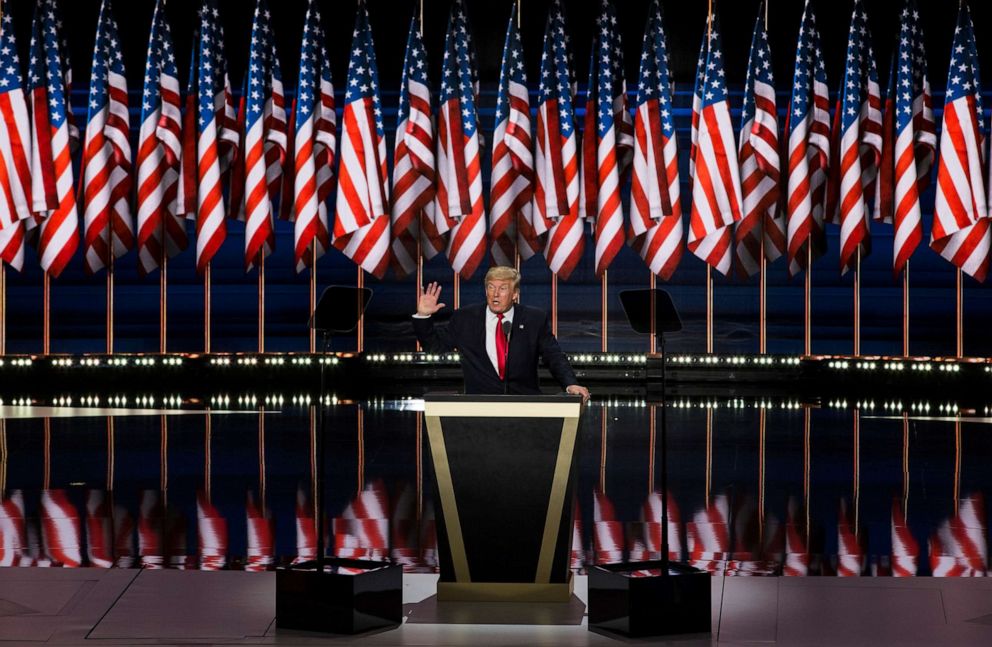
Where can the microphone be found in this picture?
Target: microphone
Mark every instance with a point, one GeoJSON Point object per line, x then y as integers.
{"type": "Point", "coordinates": [507, 331]}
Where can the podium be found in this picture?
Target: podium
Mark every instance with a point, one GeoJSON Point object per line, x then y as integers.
{"type": "Point", "coordinates": [504, 467]}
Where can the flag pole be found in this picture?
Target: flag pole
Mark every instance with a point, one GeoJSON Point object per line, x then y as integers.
{"type": "Point", "coordinates": [807, 302]}
{"type": "Point", "coordinates": [604, 319]}
{"type": "Point", "coordinates": [110, 454]}
{"type": "Point", "coordinates": [602, 449]}
{"type": "Point", "coordinates": [957, 462]}
{"type": "Point", "coordinates": [652, 445]}
{"type": "Point", "coordinates": [206, 309]}
{"type": "Point", "coordinates": [857, 469]}
{"type": "Point", "coordinates": [163, 459]}
{"type": "Point", "coordinates": [163, 283]}
{"type": "Point", "coordinates": [261, 301]}
{"type": "Point", "coordinates": [554, 303]}
{"type": "Point", "coordinates": [709, 453]}
{"type": "Point", "coordinates": [207, 457]}
{"type": "Point", "coordinates": [807, 424]}
{"type": "Point", "coordinates": [360, 334]}
{"type": "Point", "coordinates": [457, 291]}
{"type": "Point", "coordinates": [709, 308]}
{"type": "Point", "coordinates": [261, 458]}
{"type": "Point", "coordinates": [762, 300]}
{"type": "Point", "coordinates": [312, 288]}
{"type": "Point", "coordinates": [762, 442]}
{"type": "Point", "coordinates": [959, 309]}
{"type": "Point", "coordinates": [653, 343]}
{"type": "Point", "coordinates": [361, 448]}
{"type": "Point", "coordinates": [857, 303]}
{"type": "Point", "coordinates": [905, 465]}
{"type": "Point", "coordinates": [46, 313]}
{"type": "Point", "coordinates": [110, 298]}
{"type": "Point", "coordinates": [46, 481]}
{"type": "Point", "coordinates": [905, 310]}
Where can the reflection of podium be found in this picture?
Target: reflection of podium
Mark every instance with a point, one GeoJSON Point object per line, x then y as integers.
{"type": "Point", "coordinates": [505, 469]}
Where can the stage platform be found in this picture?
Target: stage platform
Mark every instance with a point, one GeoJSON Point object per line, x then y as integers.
{"type": "Point", "coordinates": [359, 376]}
{"type": "Point", "coordinates": [135, 607]}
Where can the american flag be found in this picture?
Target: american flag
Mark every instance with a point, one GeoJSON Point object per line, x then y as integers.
{"type": "Point", "coordinates": [512, 188]}
{"type": "Point", "coordinates": [361, 229]}
{"type": "Point", "coordinates": [106, 183]}
{"type": "Point", "coordinates": [884, 189]}
{"type": "Point", "coordinates": [265, 137]}
{"type": "Point", "coordinates": [915, 139]}
{"type": "Point", "coordinates": [214, 123]}
{"type": "Point", "coordinates": [607, 139]}
{"type": "Point", "coordinates": [315, 144]}
{"type": "Point", "coordinates": [556, 163]}
{"type": "Point", "coordinates": [716, 186]}
{"type": "Point", "coordinates": [757, 152]}
{"type": "Point", "coordinates": [212, 104]}
{"type": "Point", "coordinates": [960, 223]}
{"type": "Point", "coordinates": [413, 160]}
{"type": "Point", "coordinates": [459, 160]}
{"type": "Point", "coordinates": [161, 231]}
{"type": "Point", "coordinates": [53, 198]}
{"type": "Point", "coordinates": [808, 134]}
{"type": "Point", "coordinates": [655, 210]}
{"type": "Point", "coordinates": [860, 147]}
{"type": "Point", "coordinates": [15, 151]}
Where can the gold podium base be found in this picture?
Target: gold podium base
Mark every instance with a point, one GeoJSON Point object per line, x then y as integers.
{"type": "Point", "coordinates": [504, 591]}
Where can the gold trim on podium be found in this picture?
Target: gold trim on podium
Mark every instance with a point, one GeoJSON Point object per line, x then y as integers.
{"type": "Point", "coordinates": [505, 591]}
{"type": "Point", "coordinates": [446, 489]}
{"type": "Point", "coordinates": [541, 589]}
{"type": "Point", "coordinates": [556, 500]}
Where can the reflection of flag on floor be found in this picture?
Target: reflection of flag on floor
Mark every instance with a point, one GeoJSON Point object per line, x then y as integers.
{"type": "Point", "coordinates": [644, 538]}
{"type": "Point", "coordinates": [14, 549]}
{"type": "Point", "coordinates": [403, 529]}
{"type": "Point", "coordinates": [99, 530]}
{"type": "Point", "coordinates": [362, 530]}
{"type": "Point", "coordinates": [60, 527]}
{"type": "Point", "coordinates": [261, 536]}
{"type": "Point", "coordinates": [796, 560]}
{"type": "Point", "coordinates": [428, 535]}
{"type": "Point", "coordinates": [607, 541]}
{"type": "Point", "coordinates": [958, 548]}
{"type": "Point", "coordinates": [211, 529]}
{"type": "Point", "coordinates": [905, 549]}
{"type": "Point", "coordinates": [151, 521]}
{"type": "Point", "coordinates": [708, 536]}
{"type": "Point", "coordinates": [850, 546]}
{"type": "Point", "coordinates": [306, 531]}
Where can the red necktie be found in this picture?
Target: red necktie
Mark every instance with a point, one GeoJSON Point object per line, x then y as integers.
{"type": "Point", "coordinates": [500, 346]}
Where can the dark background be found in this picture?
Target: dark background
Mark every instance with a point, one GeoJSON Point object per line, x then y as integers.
{"type": "Point", "coordinates": [77, 300]}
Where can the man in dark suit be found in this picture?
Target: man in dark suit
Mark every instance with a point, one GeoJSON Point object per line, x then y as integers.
{"type": "Point", "coordinates": [499, 341]}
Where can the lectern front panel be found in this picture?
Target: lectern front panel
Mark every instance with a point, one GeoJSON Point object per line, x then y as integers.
{"type": "Point", "coordinates": [504, 470]}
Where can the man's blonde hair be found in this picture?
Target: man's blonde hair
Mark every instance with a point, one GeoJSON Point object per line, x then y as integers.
{"type": "Point", "coordinates": [503, 273]}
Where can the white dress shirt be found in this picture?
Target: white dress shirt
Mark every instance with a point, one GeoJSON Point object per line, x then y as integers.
{"type": "Point", "coordinates": [491, 322]}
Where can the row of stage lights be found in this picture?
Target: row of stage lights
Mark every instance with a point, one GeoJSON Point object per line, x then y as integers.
{"type": "Point", "coordinates": [303, 360]}
{"type": "Point", "coordinates": [301, 400]}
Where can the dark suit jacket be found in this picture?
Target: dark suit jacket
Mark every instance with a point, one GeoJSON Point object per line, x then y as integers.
{"type": "Point", "coordinates": [531, 338]}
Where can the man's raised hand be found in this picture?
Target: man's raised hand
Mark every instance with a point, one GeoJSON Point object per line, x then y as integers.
{"type": "Point", "coordinates": [427, 300]}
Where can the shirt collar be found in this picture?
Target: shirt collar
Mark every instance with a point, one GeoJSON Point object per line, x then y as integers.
{"type": "Point", "coordinates": [507, 316]}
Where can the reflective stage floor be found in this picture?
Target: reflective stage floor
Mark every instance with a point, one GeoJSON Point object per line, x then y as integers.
{"type": "Point", "coordinates": [757, 487]}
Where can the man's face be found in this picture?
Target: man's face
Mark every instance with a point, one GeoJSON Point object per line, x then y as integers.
{"type": "Point", "coordinates": [500, 295]}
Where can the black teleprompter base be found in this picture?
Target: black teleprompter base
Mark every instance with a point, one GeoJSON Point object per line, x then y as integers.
{"type": "Point", "coordinates": [335, 602]}
{"type": "Point", "coordinates": [652, 604]}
